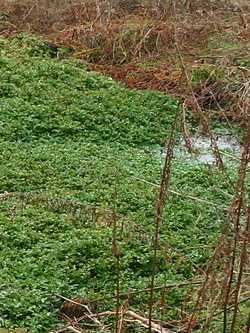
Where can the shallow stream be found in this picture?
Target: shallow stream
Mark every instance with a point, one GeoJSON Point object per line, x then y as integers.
{"type": "Point", "coordinates": [229, 147]}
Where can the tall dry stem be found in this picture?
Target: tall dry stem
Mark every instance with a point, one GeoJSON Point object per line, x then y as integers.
{"type": "Point", "coordinates": [160, 203]}
{"type": "Point", "coordinates": [203, 118]}
{"type": "Point", "coordinates": [237, 206]}
{"type": "Point", "coordinates": [117, 255]}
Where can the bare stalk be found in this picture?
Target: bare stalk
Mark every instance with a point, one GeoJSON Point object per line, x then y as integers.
{"type": "Point", "coordinates": [203, 118]}
{"type": "Point", "coordinates": [248, 323]}
{"type": "Point", "coordinates": [235, 214]}
{"type": "Point", "coordinates": [160, 203]}
{"type": "Point", "coordinates": [117, 254]}
{"type": "Point", "coordinates": [243, 260]}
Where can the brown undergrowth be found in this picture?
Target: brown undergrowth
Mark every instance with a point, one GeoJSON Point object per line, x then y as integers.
{"type": "Point", "coordinates": [134, 42]}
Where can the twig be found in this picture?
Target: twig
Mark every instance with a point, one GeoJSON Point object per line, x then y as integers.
{"type": "Point", "coordinates": [71, 328]}
{"type": "Point", "coordinates": [138, 46]}
{"type": "Point", "coordinates": [203, 117]}
{"type": "Point", "coordinates": [135, 292]}
{"type": "Point", "coordinates": [243, 260]}
{"type": "Point", "coordinates": [68, 328]}
{"type": "Point", "coordinates": [117, 254]}
{"type": "Point", "coordinates": [145, 323]}
{"type": "Point", "coordinates": [248, 324]}
{"type": "Point", "coordinates": [185, 195]}
{"type": "Point", "coordinates": [244, 300]}
{"type": "Point", "coordinates": [160, 203]}
{"type": "Point", "coordinates": [235, 213]}
{"type": "Point", "coordinates": [122, 312]}
{"type": "Point", "coordinates": [90, 315]}
{"type": "Point", "coordinates": [216, 256]}
{"type": "Point", "coordinates": [29, 12]}
{"type": "Point", "coordinates": [72, 301]}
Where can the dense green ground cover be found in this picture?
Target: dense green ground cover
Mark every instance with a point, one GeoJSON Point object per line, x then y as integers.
{"type": "Point", "coordinates": [74, 135]}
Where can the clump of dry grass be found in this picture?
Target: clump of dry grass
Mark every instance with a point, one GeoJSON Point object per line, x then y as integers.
{"type": "Point", "coordinates": [52, 17]}
{"type": "Point", "coordinates": [225, 98]}
{"type": "Point", "coordinates": [114, 33]}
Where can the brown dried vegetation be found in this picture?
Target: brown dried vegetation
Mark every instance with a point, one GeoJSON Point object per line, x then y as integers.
{"type": "Point", "coordinates": [135, 42]}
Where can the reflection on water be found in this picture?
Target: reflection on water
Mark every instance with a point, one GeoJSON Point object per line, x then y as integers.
{"type": "Point", "coordinates": [229, 147]}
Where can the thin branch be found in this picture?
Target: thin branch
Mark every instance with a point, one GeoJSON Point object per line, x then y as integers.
{"type": "Point", "coordinates": [160, 203]}
{"type": "Point", "coordinates": [145, 322]}
{"type": "Point", "coordinates": [235, 214]}
{"type": "Point", "coordinates": [185, 195]}
{"type": "Point", "coordinates": [139, 291]}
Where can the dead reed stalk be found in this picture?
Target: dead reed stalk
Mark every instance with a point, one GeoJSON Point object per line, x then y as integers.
{"type": "Point", "coordinates": [160, 204]}
{"type": "Point", "coordinates": [236, 208]}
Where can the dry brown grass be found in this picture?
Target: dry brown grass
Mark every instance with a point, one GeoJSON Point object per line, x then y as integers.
{"type": "Point", "coordinates": [124, 32]}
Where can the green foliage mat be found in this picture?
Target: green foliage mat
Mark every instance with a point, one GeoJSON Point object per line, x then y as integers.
{"type": "Point", "coordinates": [46, 98]}
{"type": "Point", "coordinates": [70, 138]}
